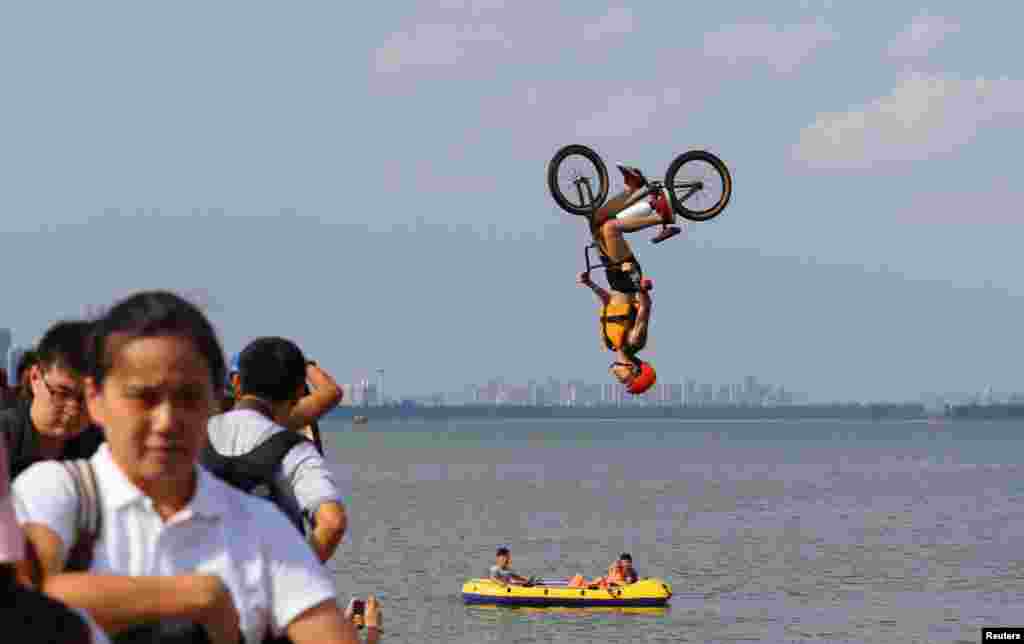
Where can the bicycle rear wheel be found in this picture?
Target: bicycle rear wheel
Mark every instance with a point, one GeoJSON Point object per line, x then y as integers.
{"type": "Point", "coordinates": [699, 185]}
{"type": "Point", "coordinates": [578, 180]}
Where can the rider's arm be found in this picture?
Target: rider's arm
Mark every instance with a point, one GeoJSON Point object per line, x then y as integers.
{"type": "Point", "coordinates": [324, 395]}
{"type": "Point", "coordinates": [638, 333]}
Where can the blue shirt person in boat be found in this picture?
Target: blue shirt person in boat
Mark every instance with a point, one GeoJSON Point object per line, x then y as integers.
{"type": "Point", "coordinates": [502, 573]}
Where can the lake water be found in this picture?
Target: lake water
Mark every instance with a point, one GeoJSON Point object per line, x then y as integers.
{"type": "Point", "coordinates": [789, 531]}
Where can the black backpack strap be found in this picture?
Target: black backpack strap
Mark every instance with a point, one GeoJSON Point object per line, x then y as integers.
{"type": "Point", "coordinates": [246, 471]}
{"type": "Point", "coordinates": [88, 524]}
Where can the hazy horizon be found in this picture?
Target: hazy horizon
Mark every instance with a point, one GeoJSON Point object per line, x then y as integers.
{"type": "Point", "coordinates": [331, 178]}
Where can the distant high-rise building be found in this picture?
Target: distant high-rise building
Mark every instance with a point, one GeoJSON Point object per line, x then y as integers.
{"type": "Point", "coordinates": [706, 393]}
{"type": "Point", "coordinates": [691, 392]}
{"type": "Point", "coordinates": [347, 395]}
{"type": "Point", "coordinates": [5, 347]}
{"type": "Point", "coordinates": [371, 397]}
{"type": "Point", "coordinates": [723, 395]}
{"type": "Point", "coordinates": [751, 392]}
{"type": "Point", "coordinates": [380, 386]}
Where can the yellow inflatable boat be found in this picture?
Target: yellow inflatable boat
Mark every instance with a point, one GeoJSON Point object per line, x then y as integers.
{"type": "Point", "coordinates": [646, 592]}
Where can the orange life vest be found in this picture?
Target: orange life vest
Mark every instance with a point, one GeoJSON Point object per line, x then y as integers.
{"type": "Point", "coordinates": [616, 321]}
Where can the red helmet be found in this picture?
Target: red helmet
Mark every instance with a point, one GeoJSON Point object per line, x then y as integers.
{"type": "Point", "coordinates": [643, 380]}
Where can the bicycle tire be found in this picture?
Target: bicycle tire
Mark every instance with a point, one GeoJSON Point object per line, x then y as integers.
{"type": "Point", "coordinates": [556, 192]}
{"type": "Point", "coordinates": [723, 173]}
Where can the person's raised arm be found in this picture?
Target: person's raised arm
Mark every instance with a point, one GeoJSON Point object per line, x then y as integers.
{"type": "Point", "coordinates": [324, 395]}
{"type": "Point", "coordinates": [584, 279]}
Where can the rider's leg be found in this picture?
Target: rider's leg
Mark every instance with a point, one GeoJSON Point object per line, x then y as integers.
{"type": "Point", "coordinates": [644, 214]}
{"type": "Point", "coordinates": [615, 245]}
{"type": "Point", "coordinates": [637, 217]}
{"type": "Point", "coordinates": [613, 207]}
{"type": "Point", "coordinates": [635, 181]}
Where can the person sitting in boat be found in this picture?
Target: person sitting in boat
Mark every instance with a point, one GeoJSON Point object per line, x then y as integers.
{"type": "Point", "coordinates": [502, 573]}
{"type": "Point", "coordinates": [628, 571]}
{"type": "Point", "coordinates": [620, 573]}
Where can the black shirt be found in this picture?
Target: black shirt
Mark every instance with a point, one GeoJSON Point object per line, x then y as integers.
{"type": "Point", "coordinates": [23, 440]}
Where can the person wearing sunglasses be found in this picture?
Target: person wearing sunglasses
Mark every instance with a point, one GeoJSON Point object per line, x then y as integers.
{"type": "Point", "coordinates": [52, 424]}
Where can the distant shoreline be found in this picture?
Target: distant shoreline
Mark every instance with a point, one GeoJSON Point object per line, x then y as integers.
{"type": "Point", "coordinates": [910, 411]}
{"type": "Point", "coordinates": [878, 411]}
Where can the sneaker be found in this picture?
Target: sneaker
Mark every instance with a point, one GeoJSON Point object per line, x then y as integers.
{"type": "Point", "coordinates": [666, 233]}
{"type": "Point", "coordinates": [633, 178]}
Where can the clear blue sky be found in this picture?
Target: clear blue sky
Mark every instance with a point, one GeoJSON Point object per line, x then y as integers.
{"type": "Point", "coordinates": [370, 181]}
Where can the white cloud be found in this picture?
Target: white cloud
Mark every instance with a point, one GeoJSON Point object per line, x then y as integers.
{"type": "Point", "coordinates": [625, 114]}
{"type": "Point", "coordinates": [924, 116]}
{"type": "Point", "coordinates": [618, 20]}
{"type": "Point", "coordinates": [432, 45]}
{"type": "Point", "coordinates": [783, 49]}
{"type": "Point", "coordinates": [923, 34]}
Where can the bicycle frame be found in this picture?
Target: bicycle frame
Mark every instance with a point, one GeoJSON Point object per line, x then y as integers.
{"type": "Point", "coordinates": [581, 183]}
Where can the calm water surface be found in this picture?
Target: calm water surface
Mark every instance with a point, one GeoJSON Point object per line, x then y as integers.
{"type": "Point", "coordinates": [768, 531]}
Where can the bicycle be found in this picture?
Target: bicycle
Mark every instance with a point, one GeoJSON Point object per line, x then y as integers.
{"type": "Point", "coordinates": [677, 177]}
{"type": "Point", "coordinates": [713, 174]}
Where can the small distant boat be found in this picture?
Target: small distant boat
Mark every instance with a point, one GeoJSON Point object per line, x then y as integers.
{"type": "Point", "coordinates": [360, 420]}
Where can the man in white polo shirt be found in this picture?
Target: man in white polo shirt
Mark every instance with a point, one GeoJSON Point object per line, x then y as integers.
{"type": "Point", "coordinates": [251, 448]}
{"type": "Point", "coordinates": [174, 543]}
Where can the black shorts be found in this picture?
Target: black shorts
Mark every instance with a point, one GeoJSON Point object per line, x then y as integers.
{"type": "Point", "coordinates": [624, 281]}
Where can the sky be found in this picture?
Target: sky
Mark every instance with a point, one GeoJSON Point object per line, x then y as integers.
{"type": "Point", "coordinates": [371, 183]}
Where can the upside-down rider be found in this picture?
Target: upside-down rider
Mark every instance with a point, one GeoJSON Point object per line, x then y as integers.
{"type": "Point", "coordinates": [626, 309]}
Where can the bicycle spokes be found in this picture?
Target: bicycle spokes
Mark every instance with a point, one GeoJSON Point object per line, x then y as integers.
{"type": "Point", "coordinates": [578, 177]}
{"type": "Point", "coordinates": [699, 186]}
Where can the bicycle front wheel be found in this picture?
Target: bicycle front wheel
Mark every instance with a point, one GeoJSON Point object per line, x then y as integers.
{"type": "Point", "coordinates": [578, 180]}
{"type": "Point", "coordinates": [699, 185]}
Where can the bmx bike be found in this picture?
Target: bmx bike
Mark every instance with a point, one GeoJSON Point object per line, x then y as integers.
{"type": "Point", "coordinates": [699, 184]}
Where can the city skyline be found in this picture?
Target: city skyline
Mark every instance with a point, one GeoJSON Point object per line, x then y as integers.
{"type": "Point", "coordinates": [361, 389]}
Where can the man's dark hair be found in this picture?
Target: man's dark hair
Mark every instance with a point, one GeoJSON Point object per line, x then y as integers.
{"type": "Point", "coordinates": [625, 557]}
{"type": "Point", "coordinates": [501, 551]}
{"type": "Point", "coordinates": [272, 368]}
{"type": "Point", "coordinates": [65, 345]}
